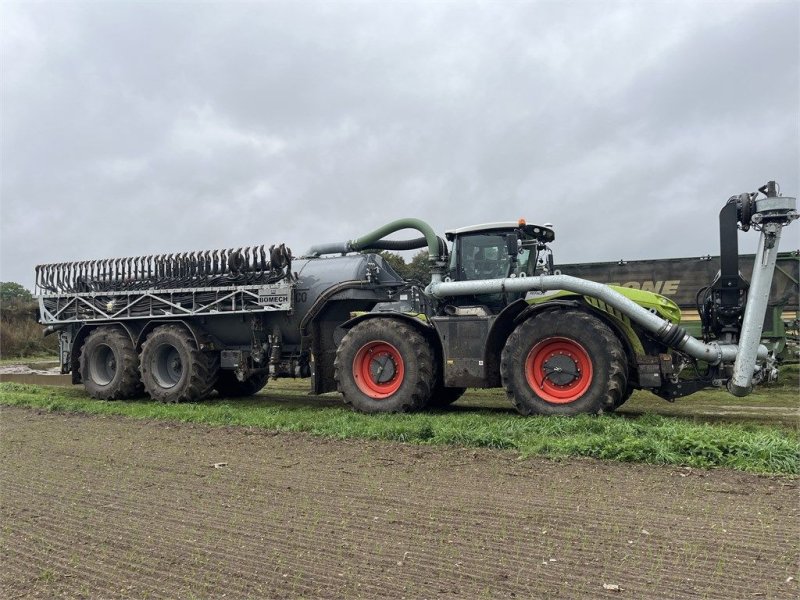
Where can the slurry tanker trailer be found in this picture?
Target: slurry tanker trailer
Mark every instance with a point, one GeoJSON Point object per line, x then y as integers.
{"type": "Point", "coordinates": [495, 314]}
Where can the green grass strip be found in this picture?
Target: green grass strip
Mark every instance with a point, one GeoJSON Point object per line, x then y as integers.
{"type": "Point", "coordinates": [651, 439]}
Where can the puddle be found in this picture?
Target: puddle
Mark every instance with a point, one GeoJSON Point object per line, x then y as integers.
{"type": "Point", "coordinates": [40, 368]}
{"type": "Point", "coordinates": [36, 378]}
{"type": "Point", "coordinates": [43, 365]}
{"type": "Point", "coordinates": [36, 373]}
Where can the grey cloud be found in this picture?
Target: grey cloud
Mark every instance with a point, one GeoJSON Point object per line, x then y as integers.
{"type": "Point", "coordinates": [134, 128]}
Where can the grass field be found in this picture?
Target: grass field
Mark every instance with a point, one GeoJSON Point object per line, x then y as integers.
{"type": "Point", "coordinates": [757, 434]}
{"type": "Point", "coordinates": [113, 507]}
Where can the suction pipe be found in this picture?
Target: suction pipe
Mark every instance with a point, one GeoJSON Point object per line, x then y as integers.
{"type": "Point", "coordinates": [772, 214]}
{"type": "Point", "coordinates": [371, 239]}
{"type": "Point", "coordinates": [673, 335]}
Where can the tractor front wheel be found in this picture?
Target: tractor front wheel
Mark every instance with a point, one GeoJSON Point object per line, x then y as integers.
{"type": "Point", "coordinates": [384, 365]}
{"type": "Point", "coordinates": [564, 362]}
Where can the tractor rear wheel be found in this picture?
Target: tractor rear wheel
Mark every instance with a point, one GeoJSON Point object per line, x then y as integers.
{"type": "Point", "coordinates": [564, 362]}
{"type": "Point", "coordinates": [174, 369]}
{"type": "Point", "coordinates": [229, 387]}
{"type": "Point", "coordinates": [109, 365]}
{"type": "Point", "coordinates": [384, 365]}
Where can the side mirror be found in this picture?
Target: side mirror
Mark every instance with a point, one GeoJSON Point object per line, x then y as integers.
{"type": "Point", "coordinates": [512, 245]}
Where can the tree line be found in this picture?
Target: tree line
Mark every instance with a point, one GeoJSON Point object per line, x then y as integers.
{"type": "Point", "coordinates": [21, 334]}
{"type": "Point", "coordinates": [417, 269]}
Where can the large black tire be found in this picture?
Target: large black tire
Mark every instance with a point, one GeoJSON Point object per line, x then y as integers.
{"type": "Point", "coordinates": [174, 369]}
{"type": "Point", "coordinates": [229, 387]}
{"type": "Point", "coordinates": [384, 365]}
{"type": "Point", "coordinates": [444, 396]}
{"type": "Point", "coordinates": [625, 397]}
{"type": "Point", "coordinates": [564, 362]}
{"type": "Point", "coordinates": [109, 365]}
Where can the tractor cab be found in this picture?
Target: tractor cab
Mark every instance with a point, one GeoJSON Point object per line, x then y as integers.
{"type": "Point", "coordinates": [497, 251]}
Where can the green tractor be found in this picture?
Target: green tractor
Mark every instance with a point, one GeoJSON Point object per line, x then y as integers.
{"type": "Point", "coordinates": [496, 314]}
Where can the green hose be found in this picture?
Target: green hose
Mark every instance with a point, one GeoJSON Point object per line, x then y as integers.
{"type": "Point", "coordinates": [430, 236]}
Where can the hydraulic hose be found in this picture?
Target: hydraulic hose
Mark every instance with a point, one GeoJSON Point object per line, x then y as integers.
{"type": "Point", "coordinates": [419, 242]}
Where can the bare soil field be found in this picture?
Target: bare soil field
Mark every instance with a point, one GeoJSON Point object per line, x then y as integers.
{"type": "Point", "coordinates": [112, 507]}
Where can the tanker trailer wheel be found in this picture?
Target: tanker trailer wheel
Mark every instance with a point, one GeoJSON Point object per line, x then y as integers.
{"type": "Point", "coordinates": [229, 387]}
{"type": "Point", "coordinates": [174, 369]}
{"type": "Point", "coordinates": [109, 365]}
{"type": "Point", "coordinates": [564, 362]}
{"type": "Point", "coordinates": [383, 365]}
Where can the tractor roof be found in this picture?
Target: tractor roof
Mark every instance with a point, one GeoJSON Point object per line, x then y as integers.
{"type": "Point", "coordinates": [545, 233]}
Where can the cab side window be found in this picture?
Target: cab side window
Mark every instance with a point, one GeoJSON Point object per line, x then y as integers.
{"type": "Point", "coordinates": [482, 256]}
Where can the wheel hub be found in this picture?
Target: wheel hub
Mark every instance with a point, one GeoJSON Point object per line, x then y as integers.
{"type": "Point", "coordinates": [561, 369]}
{"type": "Point", "coordinates": [166, 366]}
{"type": "Point", "coordinates": [103, 365]}
{"type": "Point", "coordinates": [558, 370]}
{"type": "Point", "coordinates": [378, 369]}
{"type": "Point", "coordinates": [382, 368]}
{"type": "Point", "coordinates": [175, 366]}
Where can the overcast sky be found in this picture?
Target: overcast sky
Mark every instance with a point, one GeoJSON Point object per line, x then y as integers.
{"type": "Point", "coordinates": [147, 127]}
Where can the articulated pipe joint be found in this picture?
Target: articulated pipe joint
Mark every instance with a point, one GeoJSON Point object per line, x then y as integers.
{"type": "Point", "coordinates": [775, 209]}
{"type": "Point", "coordinates": [672, 335]}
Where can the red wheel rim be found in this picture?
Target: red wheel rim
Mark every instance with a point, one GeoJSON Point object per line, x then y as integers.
{"type": "Point", "coordinates": [378, 370]}
{"type": "Point", "coordinates": [558, 370]}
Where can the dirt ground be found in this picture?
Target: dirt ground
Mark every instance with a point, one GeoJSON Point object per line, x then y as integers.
{"type": "Point", "coordinates": [112, 507]}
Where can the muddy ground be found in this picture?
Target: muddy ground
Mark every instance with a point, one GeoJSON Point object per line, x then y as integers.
{"type": "Point", "coordinates": [35, 367]}
{"type": "Point", "coordinates": [112, 507]}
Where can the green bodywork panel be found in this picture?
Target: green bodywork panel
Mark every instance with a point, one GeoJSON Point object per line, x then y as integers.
{"type": "Point", "coordinates": [664, 307]}
{"type": "Point", "coordinates": [419, 316]}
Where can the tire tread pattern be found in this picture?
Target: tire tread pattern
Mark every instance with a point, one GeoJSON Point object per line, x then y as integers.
{"type": "Point", "coordinates": [526, 402]}
{"type": "Point", "coordinates": [203, 367]}
{"type": "Point", "coordinates": [128, 385]}
{"type": "Point", "coordinates": [419, 366]}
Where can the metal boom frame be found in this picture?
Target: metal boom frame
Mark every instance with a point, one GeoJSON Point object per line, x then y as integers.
{"type": "Point", "coordinates": [180, 302]}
